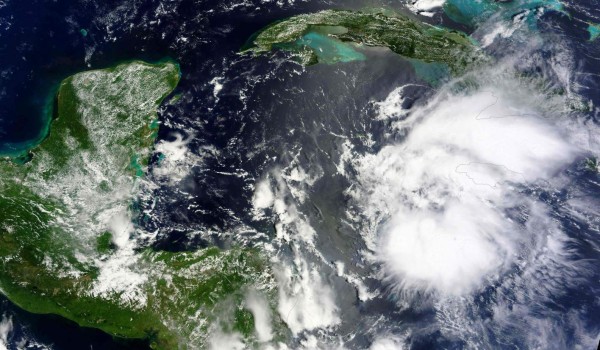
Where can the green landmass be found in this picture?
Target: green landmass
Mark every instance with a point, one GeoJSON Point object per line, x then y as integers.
{"type": "Point", "coordinates": [67, 233]}
{"type": "Point", "coordinates": [592, 164]}
{"type": "Point", "coordinates": [401, 34]}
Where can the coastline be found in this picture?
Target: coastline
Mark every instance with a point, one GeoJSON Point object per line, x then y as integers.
{"type": "Point", "coordinates": [20, 152]}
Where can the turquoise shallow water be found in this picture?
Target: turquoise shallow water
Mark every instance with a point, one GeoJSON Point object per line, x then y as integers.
{"type": "Point", "coordinates": [594, 30]}
{"type": "Point", "coordinates": [470, 12]}
{"type": "Point", "coordinates": [18, 150]}
{"type": "Point", "coordinates": [434, 73]}
{"type": "Point", "coordinates": [330, 50]}
{"type": "Point", "coordinates": [210, 196]}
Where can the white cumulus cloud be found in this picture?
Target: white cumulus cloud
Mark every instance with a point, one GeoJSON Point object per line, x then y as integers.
{"type": "Point", "coordinates": [438, 199]}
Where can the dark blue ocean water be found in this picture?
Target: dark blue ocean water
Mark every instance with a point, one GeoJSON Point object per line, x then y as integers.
{"type": "Point", "coordinates": [44, 41]}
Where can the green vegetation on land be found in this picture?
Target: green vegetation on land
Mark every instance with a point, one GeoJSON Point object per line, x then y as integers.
{"type": "Point", "coordinates": [401, 34]}
{"type": "Point", "coordinates": [67, 239]}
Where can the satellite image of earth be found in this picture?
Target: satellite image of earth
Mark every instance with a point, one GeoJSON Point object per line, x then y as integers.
{"type": "Point", "coordinates": [300, 174]}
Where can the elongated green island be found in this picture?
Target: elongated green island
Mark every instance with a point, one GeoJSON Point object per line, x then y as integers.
{"type": "Point", "coordinates": [333, 35]}
{"type": "Point", "coordinates": [67, 233]}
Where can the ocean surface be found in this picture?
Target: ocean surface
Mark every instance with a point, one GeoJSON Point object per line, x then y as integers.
{"type": "Point", "coordinates": [245, 112]}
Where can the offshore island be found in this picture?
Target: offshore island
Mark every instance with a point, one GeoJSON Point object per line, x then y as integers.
{"type": "Point", "coordinates": [68, 233]}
